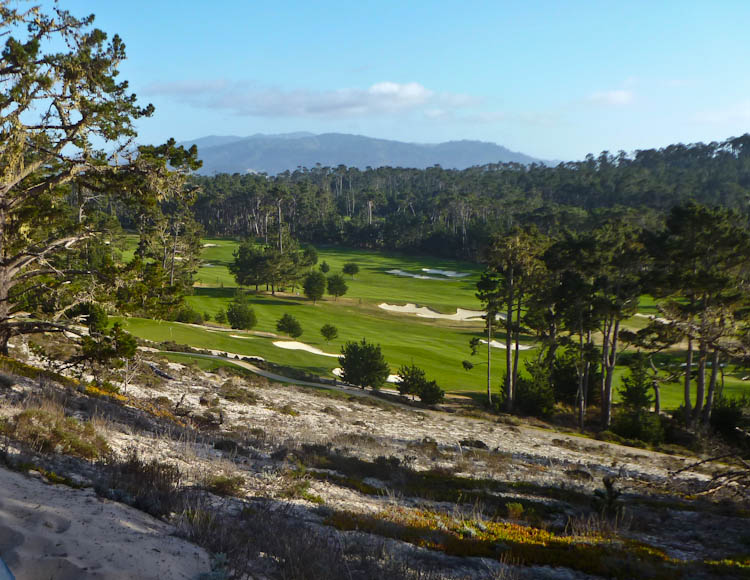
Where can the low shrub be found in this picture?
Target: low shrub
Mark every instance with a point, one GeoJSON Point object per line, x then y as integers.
{"type": "Point", "coordinates": [50, 431]}
{"type": "Point", "coordinates": [188, 315]}
{"type": "Point", "coordinates": [225, 485]}
{"type": "Point", "coordinates": [729, 414]}
{"type": "Point", "coordinates": [645, 427]}
{"type": "Point", "coordinates": [151, 486]}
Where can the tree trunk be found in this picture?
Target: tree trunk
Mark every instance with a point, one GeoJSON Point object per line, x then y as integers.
{"type": "Point", "coordinates": [509, 386]}
{"type": "Point", "coordinates": [582, 370]}
{"type": "Point", "coordinates": [700, 381]}
{"type": "Point", "coordinates": [516, 332]}
{"type": "Point", "coordinates": [711, 395]}
{"type": "Point", "coordinates": [688, 372]}
{"type": "Point", "coordinates": [490, 317]}
{"type": "Point", "coordinates": [609, 374]}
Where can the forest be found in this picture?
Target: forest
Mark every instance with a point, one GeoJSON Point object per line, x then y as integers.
{"type": "Point", "coordinates": [453, 213]}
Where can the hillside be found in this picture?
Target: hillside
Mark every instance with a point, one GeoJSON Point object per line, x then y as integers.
{"type": "Point", "coordinates": [353, 485]}
{"type": "Point", "coordinates": [274, 154]}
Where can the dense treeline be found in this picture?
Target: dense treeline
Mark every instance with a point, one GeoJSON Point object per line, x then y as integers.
{"type": "Point", "coordinates": [451, 212]}
{"type": "Point", "coordinates": [573, 292]}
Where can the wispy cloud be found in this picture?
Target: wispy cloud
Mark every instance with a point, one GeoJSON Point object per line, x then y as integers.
{"type": "Point", "coordinates": [242, 98]}
{"type": "Point", "coordinates": [734, 114]}
{"type": "Point", "coordinates": [614, 98]}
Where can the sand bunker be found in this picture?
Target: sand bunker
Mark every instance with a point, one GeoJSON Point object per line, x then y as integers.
{"type": "Point", "coordinates": [391, 378]}
{"type": "Point", "coordinates": [210, 245]}
{"type": "Point", "coordinates": [462, 314]}
{"type": "Point", "coordinates": [51, 531]}
{"type": "Point", "coordinates": [496, 344]}
{"type": "Point", "coordinates": [448, 273]}
{"type": "Point", "coordinates": [410, 275]}
{"type": "Point", "coordinates": [242, 337]}
{"type": "Point", "coordinates": [652, 317]}
{"type": "Point", "coordinates": [294, 345]}
{"type": "Point", "coordinates": [442, 274]}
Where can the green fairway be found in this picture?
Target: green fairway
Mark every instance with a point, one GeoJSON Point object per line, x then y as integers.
{"type": "Point", "coordinates": [438, 346]}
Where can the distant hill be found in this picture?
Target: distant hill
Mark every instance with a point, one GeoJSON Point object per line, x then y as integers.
{"type": "Point", "coordinates": [273, 154]}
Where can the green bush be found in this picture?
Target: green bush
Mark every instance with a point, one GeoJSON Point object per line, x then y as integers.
{"type": "Point", "coordinates": [645, 426]}
{"type": "Point", "coordinates": [431, 393]}
{"type": "Point", "coordinates": [221, 317]}
{"type": "Point", "coordinates": [729, 414]}
{"type": "Point", "coordinates": [329, 332]}
{"type": "Point", "coordinates": [240, 315]}
{"type": "Point", "coordinates": [188, 315]}
{"type": "Point", "coordinates": [288, 324]}
{"type": "Point", "coordinates": [534, 394]}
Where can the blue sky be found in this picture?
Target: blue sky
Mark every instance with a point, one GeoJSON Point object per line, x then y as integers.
{"type": "Point", "coordinates": [553, 79]}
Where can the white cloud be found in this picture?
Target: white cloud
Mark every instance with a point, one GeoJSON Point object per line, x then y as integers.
{"type": "Point", "coordinates": [381, 98]}
{"type": "Point", "coordinates": [734, 114]}
{"type": "Point", "coordinates": [615, 98]}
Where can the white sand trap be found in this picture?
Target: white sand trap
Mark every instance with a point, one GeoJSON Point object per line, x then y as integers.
{"type": "Point", "coordinates": [391, 378]}
{"type": "Point", "coordinates": [652, 317]}
{"type": "Point", "coordinates": [223, 353]}
{"type": "Point", "coordinates": [52, 531]}
{"type": "Point", "coordinates": [294, 345]}
{"type": "Point", "coordinates": [210, 245]}
{"type": "Point", "coordinates": [410, 275]}
{"type": "Point", "coordinates": [496, 344]}
{"type": "Point", "coordinates": [448, 273]}
{"type": "Point", "coordinates": [242, 337]}
{"type": "Point", "coordinates": [462, 314]}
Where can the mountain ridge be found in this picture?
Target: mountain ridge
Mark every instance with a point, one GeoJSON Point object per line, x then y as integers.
{"type": "Point", "coordinates": [272, 154]}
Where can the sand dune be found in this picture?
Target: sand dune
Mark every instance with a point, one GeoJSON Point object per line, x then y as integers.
{"type": "Point", "coordinates": [52, 531]}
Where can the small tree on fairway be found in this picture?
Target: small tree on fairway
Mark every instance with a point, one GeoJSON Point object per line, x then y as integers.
{"type": "Point", "coordinates": [410, 379]}
{"type": "Point", "coordinates": [240, 315]}
{"type": "Point", "coordinates": [329, 332]}
{"type": "Point", "coordinates": [413, 381]}
{"type": "Point", "coordinates": [337, 286]}
{"type": "Point", "coordinates": [288, 324]}
{"type": "Point", "coordinates": [350, 269]}
{"type": "Point", "coordinates": [314, 286]}
{"type": "Point", "coordinates": [221, 317]}
{"type": "Point", "coordinates": [324, 267]}
{"type": "Point", "coordinates": [363, 364]}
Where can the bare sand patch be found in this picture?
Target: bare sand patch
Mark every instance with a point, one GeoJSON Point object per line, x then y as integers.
{"type": "Point", "coordinates": [496, 344]}
{"type": "Point", "coordinates": [294, 345]}
{"type": "Point", "coordinates": [397, 272]}
{"type": "Point", "coordinates": [210, 245]}
{"type": "Point", "coordinates": [447, 273]}
{"type": "Point", "coordinates": [51, 531]}
{"type": "Point", "coordinates": [462, 314]}
{"type": "Point", "coordinates": [652, 317]}
{"type": "Point", "coordinates": [339, 372]}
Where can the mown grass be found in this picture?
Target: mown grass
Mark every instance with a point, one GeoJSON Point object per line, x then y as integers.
{"type": "Point", "coordinates": [437, 346]}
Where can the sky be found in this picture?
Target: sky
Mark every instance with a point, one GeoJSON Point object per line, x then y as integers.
{"type": "Point", "coordinates": [552, 79]}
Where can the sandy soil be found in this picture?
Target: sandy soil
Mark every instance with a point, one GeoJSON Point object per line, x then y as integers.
{"type": "Point", "coordinates": [448, 273]}
{"type": "Point", "coordinates": [51, 531]}
{"type": "Point", "coordinates": [391, 378]}
{"type": "Point", "coordinates": [294, 345]}
{"type": "Point", "coordinates": [496, 344]}
{"type": "Point", "coordinates": [462, 314]}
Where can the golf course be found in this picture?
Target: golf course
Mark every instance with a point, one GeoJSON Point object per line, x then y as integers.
{"type": "Point", "coordinates": [415, 308]}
